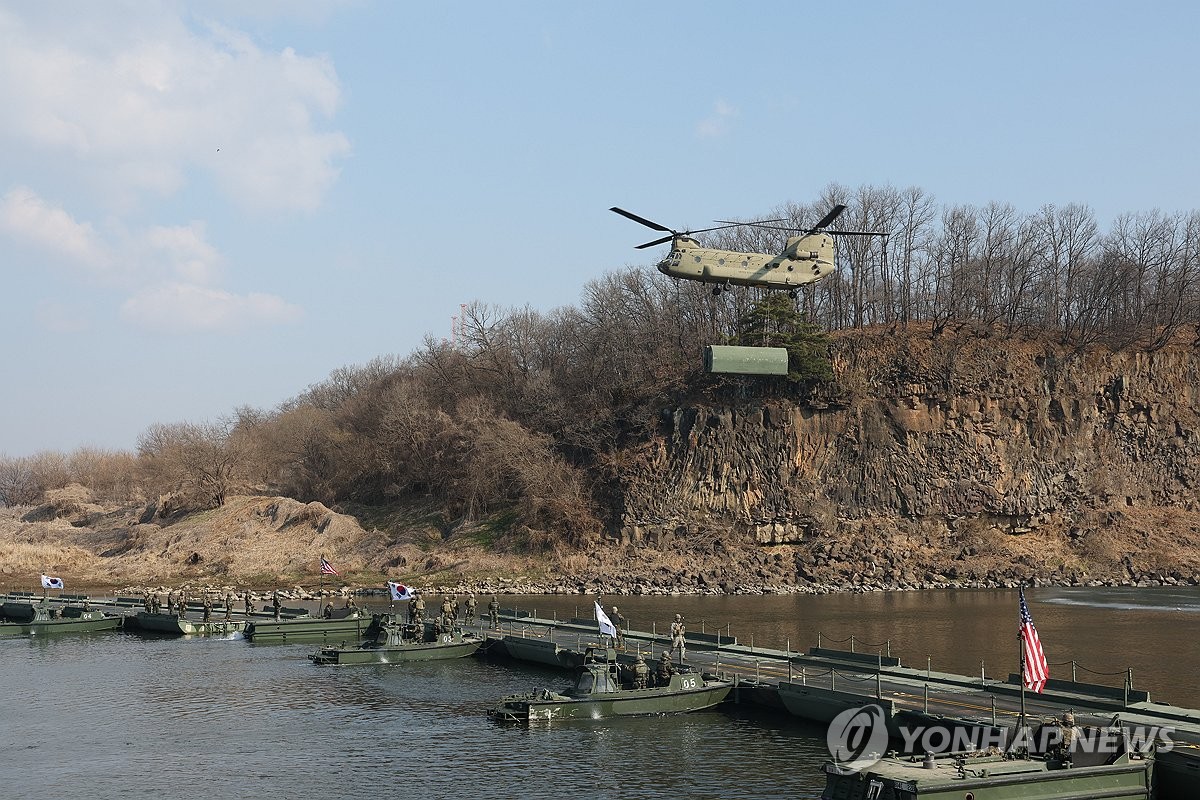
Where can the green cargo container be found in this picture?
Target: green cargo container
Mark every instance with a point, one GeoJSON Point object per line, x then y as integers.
{"type": "Point", "coordinates": [746, 360]}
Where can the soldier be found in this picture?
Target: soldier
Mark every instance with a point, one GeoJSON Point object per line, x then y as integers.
{"type": "Point", "coordinates": [471, 607]}
{"type": "Point", "coordinates": [228, 606]}
{"type": "Point", "coordinates": [207, 608]}
{"type": "Point", "coordinates": [618, 622]}
{"type": "Point", "coordinates": [350, 602]}
{"type": "Point", "coordinates": [419, 609]}
{"type": "Point", "coordinates": [328, 612]}
{"type": "Point", "coordinates": [454, 608]}
{"type": "Point", "coordinates": [146, 602]}
{"type": "Point", "coordinates": [677, 636]}
{"type": "Point", "coordinates": [412, 609]}
{"type": "Point", "coordinates": [170, 603]}
{"type": "Point", "coordinates": [665, 668]}
{"type": "Point", "coordinates": [275, 605]}
{"type": "Point", "coordinates": [447, 608]}
{"type": "Point", "coordinates": [249, 603]}
{"type": "Point", "coordinates": [182, 607]}
{"type": "Point", "coordinates": [641, 673]}
{"type": "Point", "coordinates": [1069, 731]}
{"type": "Point", "coordinates": [494, 612]}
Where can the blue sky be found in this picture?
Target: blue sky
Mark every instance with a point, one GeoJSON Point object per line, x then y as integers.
{"type": "Point", "coordinates": [207, 205]}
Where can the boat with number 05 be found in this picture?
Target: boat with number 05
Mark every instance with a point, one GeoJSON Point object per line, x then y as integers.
{"type": "Point", "coordinates": [605, 687]}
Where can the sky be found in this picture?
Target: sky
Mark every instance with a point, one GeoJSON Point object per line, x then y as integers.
{"type": "Point", "coordinates": [214, 204]}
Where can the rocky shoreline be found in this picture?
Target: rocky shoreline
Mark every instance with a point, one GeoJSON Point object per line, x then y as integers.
{"type": "Point", "coordinates": [596, 588]}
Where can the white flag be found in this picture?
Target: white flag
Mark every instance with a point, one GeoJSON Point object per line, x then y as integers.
{"type": "Point", "coordinates": [51, 583]}
{"type": "Point", "coordinates": [606, 626]}
{"type": "Point", "coordinates": [399, 591]}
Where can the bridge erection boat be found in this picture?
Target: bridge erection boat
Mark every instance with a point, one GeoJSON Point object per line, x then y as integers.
{"type": "Point", "coordinates": [605, 687]}
{"type": "Point", "coordinates": [388, 641]}
{"type": "Point", "coordinates": [39, 619]}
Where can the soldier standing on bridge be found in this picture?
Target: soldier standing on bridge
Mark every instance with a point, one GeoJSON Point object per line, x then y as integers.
{"type": "Point", "coordinates": [471, 606]}
{"type": "Point", "coordinates": [677, 637]}
{"type": "Point", "coordinates": [228, 606]}
{"type": "Point", "coordinates": [618, 622]}
{"type": "Point", "coordinates": [494, 612]}
{"type": "Point", "coordinates": [275, 605]}
{"type": "Point", "coordinates": [249, 603]}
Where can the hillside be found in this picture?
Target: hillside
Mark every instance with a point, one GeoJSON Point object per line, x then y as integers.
{"type": "Point", "coordinates": [961, 459]}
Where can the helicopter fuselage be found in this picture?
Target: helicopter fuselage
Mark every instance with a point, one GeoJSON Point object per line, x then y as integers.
{"type": "Point", "coordinates": [804, 259]}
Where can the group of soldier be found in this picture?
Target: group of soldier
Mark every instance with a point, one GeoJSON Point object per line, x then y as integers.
{"type": "Point", "coordinates": [451, 610]}
{"type": "Point", "coordinates": [678, 634]}
{"type": "Point", "coordinates": [153, 604]}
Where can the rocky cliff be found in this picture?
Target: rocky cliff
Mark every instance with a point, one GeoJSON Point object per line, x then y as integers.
{"type": "Point", "coordinates": [945, 459]}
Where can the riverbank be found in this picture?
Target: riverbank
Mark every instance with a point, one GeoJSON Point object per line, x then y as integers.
{"type": "Point", "coordinates": [265, 543]}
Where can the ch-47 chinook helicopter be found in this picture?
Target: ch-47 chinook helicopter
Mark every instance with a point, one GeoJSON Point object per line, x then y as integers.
{"type": "Point", "coordinates": [807, 256]}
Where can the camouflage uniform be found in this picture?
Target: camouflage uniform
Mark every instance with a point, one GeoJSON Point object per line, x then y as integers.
{"type": "Point", "coordinates": [678, 629]}
{"type": "Point", "coordinates": [641, 673]}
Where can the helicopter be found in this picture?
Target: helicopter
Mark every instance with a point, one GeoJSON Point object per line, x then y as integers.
{"type": "Point", "coordinates": [806, 257]}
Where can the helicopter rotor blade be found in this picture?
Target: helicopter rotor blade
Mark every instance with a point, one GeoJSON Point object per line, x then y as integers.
{"type": "Point", "coordinates": [858, 233]}
{"type": "Point", "coordinates": [656, 241]}
{"type": "Point", "coordinates": [828, 219]}
{"type": "Point", "coordinates": [751, 223]}
{"type": "Point", "coordinates": [642, 220]}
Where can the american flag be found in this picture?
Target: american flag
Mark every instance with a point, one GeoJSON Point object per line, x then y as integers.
{"type": "Point", "coordinates": [1034, 670]}
{"type": "Point", "coordinates": [327, 569]}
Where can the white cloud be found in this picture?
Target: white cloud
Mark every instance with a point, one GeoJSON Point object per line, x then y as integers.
{"type": "Point", "coordinates": [116, 257]}
{"type": "Point", "coordinates": [135, 98]}
{"type": "Point", "coordinates": [179, 251]}
{"type": "Point", "coordinates": [181, 307]}
{"type": "Point", "coordinates": [26, 216]}
{"type": "Point", "coordinates": [171, 271]}
{"type": "Point", "coordinates": [717, 123]}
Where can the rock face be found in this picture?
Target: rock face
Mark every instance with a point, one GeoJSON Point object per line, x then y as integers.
{"type": "Point", "coordinates": [950, 441]}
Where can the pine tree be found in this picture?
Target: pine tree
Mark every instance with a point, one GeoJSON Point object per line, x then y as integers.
{"type": "Point", "coordinates": [774, 321]}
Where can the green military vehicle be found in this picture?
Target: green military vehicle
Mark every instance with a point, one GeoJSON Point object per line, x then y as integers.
{"type": "Point", "coordinates": [606, 687]}
{"type": "Point", "coordinates": [388, 641]}
{"type": "Point", "coordinates": [39, 619]}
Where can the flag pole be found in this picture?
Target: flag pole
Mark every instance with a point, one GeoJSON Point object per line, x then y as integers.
{"type": "Point", "coordinates": [1022, 638]}
{"type": "Point", "coordinates": [1021, 722]}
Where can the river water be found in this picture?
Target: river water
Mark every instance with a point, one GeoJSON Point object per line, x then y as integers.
{"type": "Point", "coordinates": [120, 716]}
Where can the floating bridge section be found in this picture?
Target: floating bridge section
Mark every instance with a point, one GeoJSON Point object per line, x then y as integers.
{"type": "Point", "coordinates": [820, 683]}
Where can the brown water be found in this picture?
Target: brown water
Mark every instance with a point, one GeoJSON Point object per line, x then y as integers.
{"type": "Point", "coordinates": [1154, 632]}
{"type": "Point", "coordinates": [119, 716]}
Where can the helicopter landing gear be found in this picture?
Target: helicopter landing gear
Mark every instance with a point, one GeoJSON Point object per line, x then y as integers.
{"type": "Point", "coordinates": [792, 293]}
{"type": "Point", "coordinates": [716, 292]}
{"type": "Point", "coordinates": [721, 287]}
